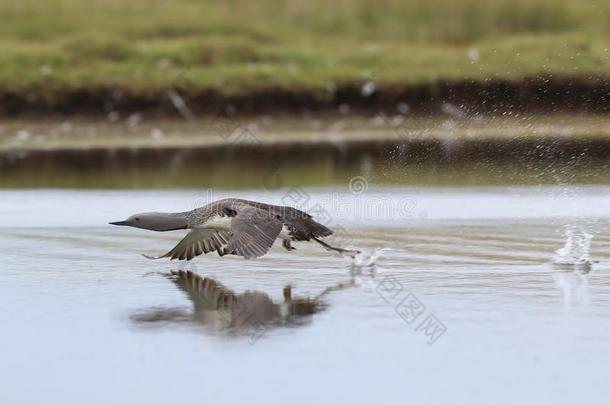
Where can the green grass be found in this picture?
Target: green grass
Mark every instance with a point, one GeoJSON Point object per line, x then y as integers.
{"type": "Point", "coordinates": [144, 47]}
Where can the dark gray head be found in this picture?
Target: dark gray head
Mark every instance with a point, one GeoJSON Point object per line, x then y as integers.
{"type": "Point", "coordinates": [155, 221]}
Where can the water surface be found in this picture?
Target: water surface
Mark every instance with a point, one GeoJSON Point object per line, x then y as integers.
{"type": "Point", "coordinates": [461, 303]}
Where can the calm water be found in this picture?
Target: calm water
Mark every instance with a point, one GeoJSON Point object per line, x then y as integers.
{"type": "Point", "coordinates": [456, 299]}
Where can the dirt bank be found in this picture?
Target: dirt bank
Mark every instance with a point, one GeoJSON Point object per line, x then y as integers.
{"type": "Point", "coordinates": [535, 94]}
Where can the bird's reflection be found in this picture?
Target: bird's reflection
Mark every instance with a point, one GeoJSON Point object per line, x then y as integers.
{"type": "Point", "coordinates": [250, 314]}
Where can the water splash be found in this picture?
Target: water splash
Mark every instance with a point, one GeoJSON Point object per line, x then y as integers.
{"type": "Point", "coordinates": [367, 260]}
{"type": "Point", "coordinates": [576, 250]}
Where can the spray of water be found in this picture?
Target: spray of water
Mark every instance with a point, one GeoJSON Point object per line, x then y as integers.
{"type": "Point", "coordinates": [367, 260]}
{"type": "Point", "coordinates": [576, 250]}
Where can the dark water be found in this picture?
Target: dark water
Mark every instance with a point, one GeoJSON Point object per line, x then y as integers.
{"type": "Point", "coordinates": [459, 297]}
{"type": "Point", "coordinates": [205, 168]}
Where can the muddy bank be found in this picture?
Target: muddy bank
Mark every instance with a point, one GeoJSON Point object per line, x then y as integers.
{"type": "Point", "coordinates": [534, 94]}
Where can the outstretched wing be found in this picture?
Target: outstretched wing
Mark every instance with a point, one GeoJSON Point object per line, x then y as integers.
{"type": "Point", "coordinates": [196, 242]}
{"type": "Point", "coordinates": [253, 232]}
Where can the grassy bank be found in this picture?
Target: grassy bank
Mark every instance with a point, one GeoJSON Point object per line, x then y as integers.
{"type": "Point", "coordinates": [58, 52]}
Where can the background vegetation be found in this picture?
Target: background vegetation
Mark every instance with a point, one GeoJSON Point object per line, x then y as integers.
{"type": "Point", "coordinates": [145, 47]}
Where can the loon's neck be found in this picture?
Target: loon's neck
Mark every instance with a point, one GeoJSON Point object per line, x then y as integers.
{"type": "Point", "coordinates": [169, 221]}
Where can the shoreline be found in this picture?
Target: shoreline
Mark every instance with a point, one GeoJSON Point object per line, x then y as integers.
{"type": "Point", "coordinates": [313, 150]}
{"type": "Point", "coordinates": [289, 165]}
{"type": "Point", "coordinates": [139, 131]}
{"type": "Point", "coordinates": [542, 93]}
{"type": "Point", "coordinates": [421, 151]}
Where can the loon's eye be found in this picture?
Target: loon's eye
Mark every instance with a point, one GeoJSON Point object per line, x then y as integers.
{"type": "Point", "coordinates": [137, 219]}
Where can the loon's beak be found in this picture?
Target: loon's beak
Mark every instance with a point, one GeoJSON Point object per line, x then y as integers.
{"type": "Point", "coordinates": [121, 223]}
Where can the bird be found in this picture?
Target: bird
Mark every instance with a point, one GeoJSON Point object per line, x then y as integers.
{"type": "Point", "coordinates": [234, 226]}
